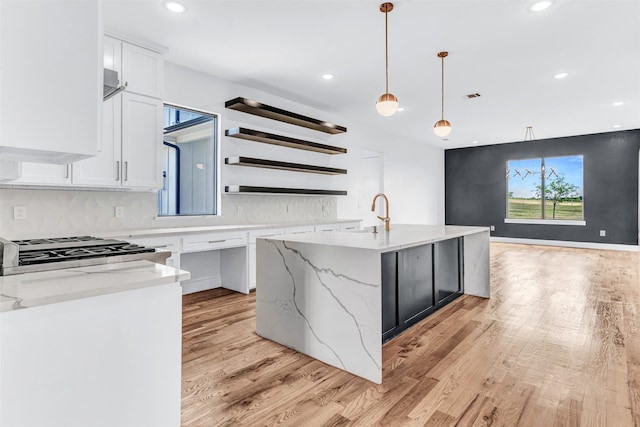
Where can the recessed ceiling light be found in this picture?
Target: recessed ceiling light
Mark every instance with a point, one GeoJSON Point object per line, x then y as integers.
{"type": "Point", "coordinates": [327, 76]}
{"type": "Point", "coordinates": [617, 126]}
{"type": "Point", "coordinates": [618, 103]}
{"type": "Point", "coordinates": [560, 75]}
{"type": "Point", "coordinates": [540, 6]}
{"type": "Point", "coordinates": [400, 109]}
{"type": "Point", "coordinates": [474, 142]}
{"type": "Point", "coordinates": [175, 6]}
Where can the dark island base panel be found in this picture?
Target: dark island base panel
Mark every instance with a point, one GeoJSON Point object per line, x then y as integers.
{"type": "Point", "coordinates": [263, 110]}
{"type": "Point", "coordinates": [245, 189]}
{"type": "Point", "coordinates": [416, 282]}
{"type": "Point", "coordinates": [283, 141]}
{"type": "Point", "coordinates": [273, 164]}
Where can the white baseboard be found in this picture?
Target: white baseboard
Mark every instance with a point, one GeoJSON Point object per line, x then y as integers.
{"type": "Point", "coordinates": [584, 245]}
{"type": "Point", "coordinates": [197, 285]}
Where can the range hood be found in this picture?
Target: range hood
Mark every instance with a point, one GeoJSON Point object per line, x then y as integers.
{"type": "Point", "coordinates": [110, 85]}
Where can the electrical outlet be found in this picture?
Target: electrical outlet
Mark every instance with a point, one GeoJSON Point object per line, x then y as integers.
{"type": "Point", "coordinates": [119, 211]}
{"type": "Point", "coordinates": [239, 210]}
{"type": "Point", "coordinates": [19, 212]}
{"type": "Point", "coordinates": [603, 233]}
{"type": "Point", "coordinates": [493, 228]}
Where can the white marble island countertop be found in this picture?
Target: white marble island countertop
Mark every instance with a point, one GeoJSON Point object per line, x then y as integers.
{"type": "Point", "coordinates": [399, 237]}
{"type": "Point", "coordinates": [26, 290]}
{"type": "Point", "coordinates": [322, 293]}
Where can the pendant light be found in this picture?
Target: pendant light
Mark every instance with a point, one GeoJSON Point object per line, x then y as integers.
{"type": "Point", "coordinates": [528, 134]}
{"type": "Point", "coordinates": [387, 104]}
{"type": "Point", "coordinates": [442, 127]}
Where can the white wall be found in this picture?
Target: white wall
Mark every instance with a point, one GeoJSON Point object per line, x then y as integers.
{"type": "Point", "coordinates": [413, 174]}
{"type": "Point", "coordinates": [413, 171]}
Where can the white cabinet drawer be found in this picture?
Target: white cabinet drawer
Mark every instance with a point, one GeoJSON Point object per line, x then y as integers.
{"type": "Point", "coordinates": [264, 233]}
{"type": "Point", "coordinates": [300, 229]}
{"type": "Point", "coordinates": [350, 226]}
{"type": "Point", "coordinates": [213, 241]}
{"type": "Point", "coordinates": [165, 243]}
{"type": "Point", "coordinates": [327, 227]}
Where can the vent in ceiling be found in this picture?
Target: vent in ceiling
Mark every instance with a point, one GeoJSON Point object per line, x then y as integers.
{"type": "Point", "coordinates": [472, 95]}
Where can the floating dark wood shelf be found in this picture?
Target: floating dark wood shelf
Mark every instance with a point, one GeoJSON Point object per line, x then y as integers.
{"type": "Point", "coordinates": [246, 189]}
{"type": "Point", "coordinates": [263, 110]}
{"type": "Point", "coordinates": [272, 164]}
{"type": "Point", "coordinates": [285, 141]}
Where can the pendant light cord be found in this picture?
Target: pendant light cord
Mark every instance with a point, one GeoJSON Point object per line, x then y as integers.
{"type": "Point", "coordinates": [442, 91]}
{"type": "Point", "coordinates": [386, 49]}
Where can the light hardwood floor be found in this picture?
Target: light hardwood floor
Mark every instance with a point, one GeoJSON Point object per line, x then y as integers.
{"type": "Point", "coordinates": [558, 344]}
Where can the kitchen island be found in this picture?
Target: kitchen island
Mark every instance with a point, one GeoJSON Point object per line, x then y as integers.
{"type": "Point", "coordinates": [337, 296]}
{"type": "Point", "coordinates": [98, 345]}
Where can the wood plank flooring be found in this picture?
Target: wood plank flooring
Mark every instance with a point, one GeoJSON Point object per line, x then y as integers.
{"type": "Point", "coordinates": [558, 344]}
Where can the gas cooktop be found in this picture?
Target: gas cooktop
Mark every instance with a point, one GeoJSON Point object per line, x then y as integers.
{"type": "Point", "coordinates": [22, 256]}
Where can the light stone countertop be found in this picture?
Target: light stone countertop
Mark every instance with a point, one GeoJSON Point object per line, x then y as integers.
{"type": "Point", "coordinates": [399, 237]}
{"type": "Point", "coordinates": [166, 231]}
{"type": "Point", "coordinates": [49, 287]}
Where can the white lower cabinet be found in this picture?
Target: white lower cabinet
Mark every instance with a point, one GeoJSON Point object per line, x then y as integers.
{"type": "Point", "coordinates": [109, 360]}
{"type": "Point", "coordinates": [327, 227]}
{"type": "Point", "coordinates": [215, 260]}
{"type": "Point", "coordinates": [300, 229]}
{"type": "Point", "coordinates": [350, 226]}
{"type": "Point", "coordinates": [168, 244]}
{"type": "Point", "coordinates": [223, 259]}
{"type": "Point", "coordinates": [252, 250]}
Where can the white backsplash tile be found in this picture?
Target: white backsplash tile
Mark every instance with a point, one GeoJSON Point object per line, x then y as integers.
{"type": "Point", "coordinates": [73, 212]}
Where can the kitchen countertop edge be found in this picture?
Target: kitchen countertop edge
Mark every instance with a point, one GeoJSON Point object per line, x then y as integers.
{"type": "Point", "coordinates": [401, 236]}
{"type": "Point", "coordinates": [22, 291]}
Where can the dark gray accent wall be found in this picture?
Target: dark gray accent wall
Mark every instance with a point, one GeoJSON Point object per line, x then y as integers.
{"type": "Point", "coordinates": [475, 187]}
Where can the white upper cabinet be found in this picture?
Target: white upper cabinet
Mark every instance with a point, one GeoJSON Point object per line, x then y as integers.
{"type": "Point", "coordinates": [50, 80]}
{"type": "Point", "coordinates": [44, 174]}
{"type": "Point", "coordinates": [9, 170]}
{"type": "Point", "coordinates": [103, 170]}
{"type": "Point", "coordinates": [142, 70]}
{"type": "Point", "coordinates": [141, 141]}
{"type": "Point", "coordinates": [130, 155]}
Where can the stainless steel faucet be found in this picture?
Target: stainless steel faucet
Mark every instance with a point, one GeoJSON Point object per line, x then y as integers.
{"type": "Point", "coordinates": [386, 219]}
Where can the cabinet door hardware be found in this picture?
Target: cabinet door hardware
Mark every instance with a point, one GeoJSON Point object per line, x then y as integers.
{"type": "Point", "coordinates": [116, 91]}
{"type": "Point", "coordinates": [126, 171]}
{"type": "Point", "coordinates": [217, 241]}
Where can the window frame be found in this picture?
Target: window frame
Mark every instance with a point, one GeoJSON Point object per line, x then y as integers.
{"type": "Point", "coordinates": [217, 162]}
{"type": "Point", "coordinates": [543, 220]}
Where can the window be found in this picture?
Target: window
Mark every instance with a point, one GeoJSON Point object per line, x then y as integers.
{"type": "Point", "coordinates": [548, 189]}
{"type": "Point", "coordinates": [190, 168]}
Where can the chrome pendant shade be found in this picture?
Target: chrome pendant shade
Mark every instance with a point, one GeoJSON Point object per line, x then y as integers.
{"type": "Point", "coordinates": [442, 127]}
{"type": "Point", "coordinates": [387, 104]}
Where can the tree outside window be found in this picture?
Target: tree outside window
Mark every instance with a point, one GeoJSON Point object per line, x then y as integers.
{"type": "Point", "coordinates": [545, 188]}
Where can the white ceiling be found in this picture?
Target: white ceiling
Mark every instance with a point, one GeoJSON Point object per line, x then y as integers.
{"type": "Point", "coordinates": [499, 49]}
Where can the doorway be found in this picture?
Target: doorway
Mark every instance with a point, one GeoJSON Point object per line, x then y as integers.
{"type": "Point", "coordinates": [371, 182]}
